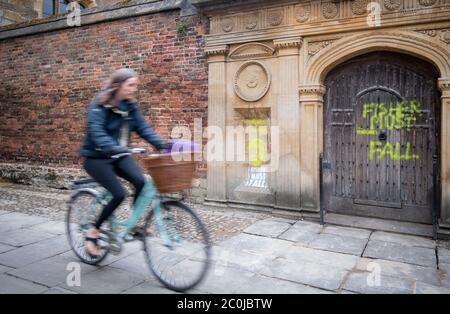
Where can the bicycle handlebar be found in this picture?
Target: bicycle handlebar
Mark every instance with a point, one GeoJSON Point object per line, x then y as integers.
{"type": "Point", "coordinates": [136, 150]}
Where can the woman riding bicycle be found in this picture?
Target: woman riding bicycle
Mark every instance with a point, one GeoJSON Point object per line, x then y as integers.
{"type": "Point", "coordinates": [112, 115]}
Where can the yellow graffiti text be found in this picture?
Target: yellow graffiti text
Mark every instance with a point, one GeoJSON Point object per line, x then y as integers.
{"type": "Point", "coordinates": [378, 150]}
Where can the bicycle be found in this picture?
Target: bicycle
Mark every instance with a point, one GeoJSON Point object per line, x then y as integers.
{"type": "Point", "coordinates": [175, 240]}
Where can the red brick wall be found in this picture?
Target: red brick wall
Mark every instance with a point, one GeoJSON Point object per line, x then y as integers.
{"type": "Point", "coordinates": [48, 80]}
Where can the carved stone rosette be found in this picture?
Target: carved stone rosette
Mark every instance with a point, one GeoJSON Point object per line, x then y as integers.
{"type": "Point", "coordinates": [275, 17]}
{"type": "Point", "coordinates": [329, 10]}
{"type": "Point", "coordinates": [359, 7]}
{"type": "Point", "coordinates": [392, 5]}
{"type": "Point", "coordinates": [427, 3]}
{"type": "Point", "coordinates": [302, 13]}
{"type": "Point", "coordinates": [227, 24]}
{"type": "Point", "coordinates": [250, 21]}
{"type": "Point", "coordinates": [252, 81]}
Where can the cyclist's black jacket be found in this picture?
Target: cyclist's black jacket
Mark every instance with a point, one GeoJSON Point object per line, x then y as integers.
{"type": "Point", "coordinates": [103, 129]}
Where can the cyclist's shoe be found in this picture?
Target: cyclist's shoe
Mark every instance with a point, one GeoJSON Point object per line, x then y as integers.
{"type": "Point", "coordinates": [95, 242]}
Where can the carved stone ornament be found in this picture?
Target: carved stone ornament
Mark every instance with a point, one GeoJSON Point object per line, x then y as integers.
{"type": "Point", "coordinates": [359, 7]}
{"type": "Point", "coordinates": [252, 81]}
{"type": "Point", "coordinates": [302, 13]}
{"type": "Point", "coordinates": [445, 36]}
{"type": "Point", "coordinates": [392, 4]}
{"type": "Point", "coordinates": [315, 47]}
{"type": "Point", "coordinates": [429, 32]}
{"type": "Point", "coordinates": [329, 10]}
{"type": "Point", "coordinates": [227, 24]}
{"type": "Point", "coordinates": [288, 43]}
{"type": "Point", "coordinates": [216, 50]}
{"type": "Point", "coordinates": [251, 50]}
{"type": "Point", "coordinates": [275, 17]}
{"type": "Point", "coordinates": [427, 3]}
{"type": "Point", "coordinates": [444, 84]}
{"type": "Point", "coordinates": [313, 89]}
{"type": "Point", "coordinates": [250, 21]}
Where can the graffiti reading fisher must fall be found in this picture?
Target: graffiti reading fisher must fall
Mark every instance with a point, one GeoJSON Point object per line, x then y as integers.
{"type": "Point", "coordinates": [397, 116]}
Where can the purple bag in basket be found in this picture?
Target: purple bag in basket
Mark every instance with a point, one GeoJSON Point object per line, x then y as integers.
{"type": "Point", "coordinates": [181, 146]}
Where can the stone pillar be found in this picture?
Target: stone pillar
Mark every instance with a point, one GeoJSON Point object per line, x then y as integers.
{"type": "Point", "coordinates": [311, 141]}
{"type": "Point", "coordinates": [38, 8]}
{"type": "Point", "coordinates": [216, 180]}
{"type": "Point", "coordinates": [286, 116]}
{"type": "Point", "coordinates": [444, 86]}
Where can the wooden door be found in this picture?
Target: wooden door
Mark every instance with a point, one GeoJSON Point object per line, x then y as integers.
{"type": "Point", "coordinates": [380, 115]}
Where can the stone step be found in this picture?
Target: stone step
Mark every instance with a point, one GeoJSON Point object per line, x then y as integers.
{"type": "Point", "coordinates": [379, 224]}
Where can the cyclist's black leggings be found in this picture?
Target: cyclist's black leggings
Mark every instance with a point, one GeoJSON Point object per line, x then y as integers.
{"type": "Point", "coordinates": [105, 172]}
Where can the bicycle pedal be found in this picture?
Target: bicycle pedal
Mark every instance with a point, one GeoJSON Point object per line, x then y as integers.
{"type": "Point", "coordinates": [137, 232]}
{"type": "Point", "coordinates": [131, 237]}
{"type": "Point", "coordinates": [138, 235]}
{"type": "Point", "coordinates": [115, 248]}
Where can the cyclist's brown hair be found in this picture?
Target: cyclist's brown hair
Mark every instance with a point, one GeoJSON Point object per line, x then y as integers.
{"type": "Point", "coordinates": [107, 94]}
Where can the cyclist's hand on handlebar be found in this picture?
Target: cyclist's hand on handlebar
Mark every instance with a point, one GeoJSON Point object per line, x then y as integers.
{"type": "Point", "coordinates": [163, 148]}
{"type": "Point", "coordinates": [137, 150]}
{"type": "Point", "coordinates": [120, 151]}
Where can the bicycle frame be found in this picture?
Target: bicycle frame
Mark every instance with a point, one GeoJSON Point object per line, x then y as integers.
{"type": "Point", "coordinates": [148, 194]}
{"type": "Point", "coordinates": [166, 222]}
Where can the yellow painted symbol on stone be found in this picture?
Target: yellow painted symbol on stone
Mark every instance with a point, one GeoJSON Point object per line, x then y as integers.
{"type": "Point", "coordinates": [257, 145]}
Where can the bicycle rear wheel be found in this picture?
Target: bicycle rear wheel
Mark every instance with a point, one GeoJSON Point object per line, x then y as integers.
{"type": "Point", "coordinates": [177, 246]}
{"type": "Point", "coordinates": [82, 213]}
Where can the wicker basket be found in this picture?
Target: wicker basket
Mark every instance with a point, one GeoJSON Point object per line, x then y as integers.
{"type": "Point", "coordinates": [168, 174]}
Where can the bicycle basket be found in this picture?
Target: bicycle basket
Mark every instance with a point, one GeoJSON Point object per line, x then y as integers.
{"type": "Point", "coordinates": [170, 172]}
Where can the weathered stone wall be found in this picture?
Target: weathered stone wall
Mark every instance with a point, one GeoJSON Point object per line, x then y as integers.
{"type": "Point", "coordinates": [297, 43]}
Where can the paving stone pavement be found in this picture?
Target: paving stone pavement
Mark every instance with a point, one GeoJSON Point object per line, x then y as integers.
{"type": "Point", "coordinates": [44, 204]}
{"type": "Point", "coordinates": [252, 253]}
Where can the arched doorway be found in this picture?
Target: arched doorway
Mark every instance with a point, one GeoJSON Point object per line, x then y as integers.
{"type": "Point", "coordinates": [381, 131]}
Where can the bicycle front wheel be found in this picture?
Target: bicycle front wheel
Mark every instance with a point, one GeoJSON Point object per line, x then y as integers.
{"type": "Point", "coordinates": [177, 246]}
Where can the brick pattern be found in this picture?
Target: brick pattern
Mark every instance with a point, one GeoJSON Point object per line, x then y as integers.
{"type": "Point", "coordinates": [50, 78]}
